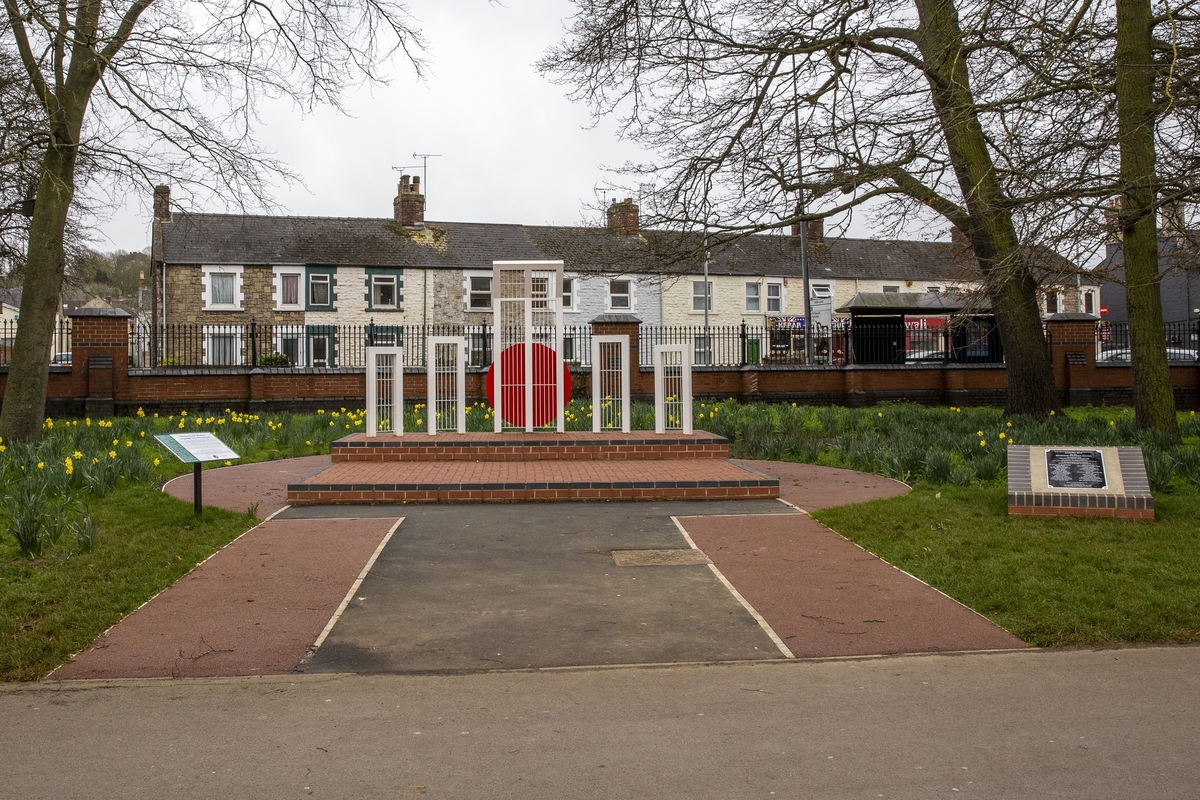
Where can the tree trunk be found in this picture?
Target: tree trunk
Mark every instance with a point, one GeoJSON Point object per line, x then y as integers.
{"type": "Point", "coordinates": [1010, 283]}
{"type": "Point", "coordinates": [1153, 398]}
{"type": "Point", "coordinates": [28, 373]}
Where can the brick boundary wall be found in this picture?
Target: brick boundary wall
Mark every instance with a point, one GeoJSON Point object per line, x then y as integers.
{"type": "Point", "coordinates": [100, 381]}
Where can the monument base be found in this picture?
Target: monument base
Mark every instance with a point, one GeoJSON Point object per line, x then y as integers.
{"type": "Point", "coordinates": [1078, 481]}
{"type": "Point", "coordinates": [524, 467]}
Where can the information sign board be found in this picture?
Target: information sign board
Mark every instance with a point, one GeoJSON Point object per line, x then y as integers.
{"type": "Point", "coordinates": [191, 448]}
{"type": "Point", "coordinates": [194, 448]}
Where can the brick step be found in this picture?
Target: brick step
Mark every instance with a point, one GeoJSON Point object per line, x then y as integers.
{"type": "Point", "coordinates": [571, 446]}
{"type": "Point", "coordinates": [514, 481]}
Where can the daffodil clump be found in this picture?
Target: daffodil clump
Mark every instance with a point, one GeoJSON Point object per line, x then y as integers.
{"type": "Point", "coordinates": [45, 485]}
{"type": "Point", "coordinates": [941, 445]}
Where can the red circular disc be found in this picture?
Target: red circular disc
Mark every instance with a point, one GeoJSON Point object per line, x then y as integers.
{"type": "Point", "coordinates": [512, 362]}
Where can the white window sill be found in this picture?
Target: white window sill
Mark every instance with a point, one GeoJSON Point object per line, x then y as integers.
{"type": "Point", "coordinates": [223, 308]}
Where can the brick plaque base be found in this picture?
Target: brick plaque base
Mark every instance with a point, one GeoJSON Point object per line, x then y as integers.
{"type": "Point", "coordinates": [1070, 480]}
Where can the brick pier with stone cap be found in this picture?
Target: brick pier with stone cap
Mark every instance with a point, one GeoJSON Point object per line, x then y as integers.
{"type": "Point", "coordinates": [541, 466]}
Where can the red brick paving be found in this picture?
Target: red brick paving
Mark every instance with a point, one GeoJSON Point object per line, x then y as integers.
{"type": "Point", "coordinates": [825, 596]}
{"type": "Point", "coordinates": [254, 608]}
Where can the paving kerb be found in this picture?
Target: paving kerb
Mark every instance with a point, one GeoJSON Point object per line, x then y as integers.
{"type": "Point", "coordinates": [937, 627]}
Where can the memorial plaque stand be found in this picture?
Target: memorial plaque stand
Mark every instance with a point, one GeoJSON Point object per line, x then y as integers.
{"type": "Point", "coordinates": [1078, 481]}
{"type": "Point", "coordinates": [195, 449]}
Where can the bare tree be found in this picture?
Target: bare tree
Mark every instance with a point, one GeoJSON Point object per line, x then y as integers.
{"type": "Point", "coordinates": [146, 90]}
{"type": "Point", "coordinates": [932, 109]}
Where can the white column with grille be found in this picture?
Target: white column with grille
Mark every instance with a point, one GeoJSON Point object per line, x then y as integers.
{"type": "Point", "coordinates": [446, 379]}
{"type": "Point", "coordinates": [672, 388]}
{"type": "Point", "coordinates": [610, 383]}
{"type": "Point", "coordinates": [385, 390]}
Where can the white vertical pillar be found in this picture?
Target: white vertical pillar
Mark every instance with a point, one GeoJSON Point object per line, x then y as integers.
{"type": "Point", "coordinates": [675, 385]}
{"type": "Point", "coordinates": [389, 361]}
{"type": "Point", "coordinates": [599, 381]}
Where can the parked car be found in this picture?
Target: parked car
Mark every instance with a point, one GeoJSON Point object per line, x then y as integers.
{"type": "Point", "coordinates": [925, 356]}
{"type": "Point", "coordinates": [1121, 355]}
{"type": "Point", "coordinates": [60, 360]}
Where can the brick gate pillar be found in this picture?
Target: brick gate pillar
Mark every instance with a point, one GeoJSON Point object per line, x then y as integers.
{"type": "Point", "coordinates": [1072, 342]}
{"type": "Point", "coordinates": [100, 358]}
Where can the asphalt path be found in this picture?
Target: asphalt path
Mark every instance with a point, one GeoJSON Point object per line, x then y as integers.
{"type": "Point", "coordinates": [1020, 724]}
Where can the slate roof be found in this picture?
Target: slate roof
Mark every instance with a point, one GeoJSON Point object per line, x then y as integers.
{"type": "Point", "coordinates": [248, 240]}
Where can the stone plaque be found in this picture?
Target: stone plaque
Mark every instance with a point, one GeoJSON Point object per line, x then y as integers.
{"type": "Point", "coordinates": [1075, 469]}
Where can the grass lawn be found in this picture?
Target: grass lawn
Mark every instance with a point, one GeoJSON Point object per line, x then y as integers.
{"type": "Point", "coordinates": [1064, 581]}
{"type": "Point", "coordinates": [56, 605]}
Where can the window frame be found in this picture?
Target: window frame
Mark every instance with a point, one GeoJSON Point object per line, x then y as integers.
{"type": "Point", "coordinates": [775, 293]}
{"type": "Point", "coordinates": [891, 289]}
{"type": "Point", "coordinates": [756, 298]}
{"type": "Point", "coordinates": [206, 279]}
{"type": "Point", "coordinates": [698, 299]}
{"type": "Point", "coordinates": [568, 294]}
{"type": "Point", "coordinates": [378, 281]}
{"type": "Point", "coordinates": [280, 273]}
{"type": "Point", "coordinates": [821, 291]}
{"type": "Point", "coordinates": [315, 279]}
{"type": "Point", "coordinates": [232, 332]}
{"type": "Point", "coordinates": [471, 292]}
{"type": "Point", "coordinates": [627, 294]}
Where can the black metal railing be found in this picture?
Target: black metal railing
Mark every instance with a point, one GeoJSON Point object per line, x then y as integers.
{"type": "Point", "coordinates": [323, 346]}
{"type": "Point", "coordinates": [1113, 346]}
{"type": "Point", "coordinates": [60, 347]}
{"type": "Point", "coordinates": [868, 341]}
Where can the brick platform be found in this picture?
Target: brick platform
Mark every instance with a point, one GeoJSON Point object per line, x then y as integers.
{"type": "Point", "coordinates": [480, 468]}
{"type": "Point", "coordinates": [573, 446]}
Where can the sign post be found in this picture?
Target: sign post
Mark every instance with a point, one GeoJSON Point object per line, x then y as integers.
{"type": "Point", "coordinates": [195, 449]}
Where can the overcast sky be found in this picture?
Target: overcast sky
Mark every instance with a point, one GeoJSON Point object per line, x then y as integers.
{"type": "Point", "coordinates": [511, 147]}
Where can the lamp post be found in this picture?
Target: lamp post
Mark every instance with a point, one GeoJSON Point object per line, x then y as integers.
{"type": "Point", "coordinates": [808, 326]}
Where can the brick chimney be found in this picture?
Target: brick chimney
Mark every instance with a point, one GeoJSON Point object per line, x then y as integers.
{"type": "Point", "coordinates": [958, 237]}
{"type": "Point", "coordinates": [623, 217]}
{"type": "Point", "coordinates": [814, 230]}
{"type": "Point", "coordinates": [162, 203]}
{"type": "Point", "coordinates": [1171, 220]}
{"type": "Point", "coordinates": [409, 205]}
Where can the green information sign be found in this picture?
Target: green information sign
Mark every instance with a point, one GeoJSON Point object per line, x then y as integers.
{"type": "Point", "coordinates": [194, 448]}
{"type": "Point", "coordinates": [191, 448]}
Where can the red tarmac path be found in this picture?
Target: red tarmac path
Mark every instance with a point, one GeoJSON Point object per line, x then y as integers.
{"type": "Point", "coordinates": [258, 605]}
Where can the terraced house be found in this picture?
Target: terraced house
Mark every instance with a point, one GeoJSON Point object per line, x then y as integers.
{"type": "Point", "coordinates": [234, 289]}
